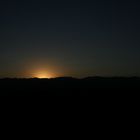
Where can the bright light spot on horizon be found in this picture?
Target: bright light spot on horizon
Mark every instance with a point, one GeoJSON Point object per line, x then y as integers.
{"type": "Point", "coordinates": [43, 74]}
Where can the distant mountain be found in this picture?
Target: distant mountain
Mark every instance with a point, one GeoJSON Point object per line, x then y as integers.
{"type": "Point", "coordinates": [67, 85]}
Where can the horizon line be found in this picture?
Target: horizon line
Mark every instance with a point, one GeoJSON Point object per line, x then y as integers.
{"type": "Point", "coordinates": [70, 77]}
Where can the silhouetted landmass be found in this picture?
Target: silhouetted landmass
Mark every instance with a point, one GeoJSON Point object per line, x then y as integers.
{"type": "Point", "coordinates": [67, 85]}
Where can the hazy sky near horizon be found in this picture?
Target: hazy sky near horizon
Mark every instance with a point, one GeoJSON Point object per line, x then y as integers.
{"type": "Point", "coordinates": [69, 38]}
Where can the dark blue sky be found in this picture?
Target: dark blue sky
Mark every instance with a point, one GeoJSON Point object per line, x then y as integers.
{"type": "Point", "coordinates": [74, 38]}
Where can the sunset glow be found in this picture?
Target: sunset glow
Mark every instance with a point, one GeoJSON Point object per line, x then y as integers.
{"type": "Point", "coordinates": [43, 74]}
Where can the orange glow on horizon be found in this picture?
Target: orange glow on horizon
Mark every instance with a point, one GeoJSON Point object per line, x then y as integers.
{"type": "Point", "coordinates": [43, 74]}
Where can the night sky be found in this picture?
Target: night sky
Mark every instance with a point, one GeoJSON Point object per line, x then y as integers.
{"type": "Point", "coordinates": [69, 38]}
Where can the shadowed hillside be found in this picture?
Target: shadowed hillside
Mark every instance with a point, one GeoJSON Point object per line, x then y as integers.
{"type": "Point", "coordinates": [66, 85]}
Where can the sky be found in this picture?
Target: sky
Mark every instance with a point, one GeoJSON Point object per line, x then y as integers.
{"type": "Point", "coordinates": [69, 38]}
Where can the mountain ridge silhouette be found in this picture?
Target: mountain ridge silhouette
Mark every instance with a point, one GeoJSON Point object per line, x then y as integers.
{"type": "Point", "coordinates": [67, 85]}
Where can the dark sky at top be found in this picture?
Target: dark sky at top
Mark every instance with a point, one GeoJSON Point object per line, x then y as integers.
{"type": "Point", "coordinates": [77, 38]}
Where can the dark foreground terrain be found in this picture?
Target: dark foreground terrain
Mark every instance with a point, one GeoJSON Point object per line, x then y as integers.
{"type": "Point", "coordinates": [67, 86]}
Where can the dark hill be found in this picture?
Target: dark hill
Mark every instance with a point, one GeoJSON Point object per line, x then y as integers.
{"type": "Point", "coordinates": [66, 85]}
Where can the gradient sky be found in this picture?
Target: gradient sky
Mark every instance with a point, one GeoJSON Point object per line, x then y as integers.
{"type": "Point", "coordinates": [69, 38]}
